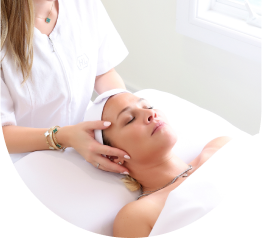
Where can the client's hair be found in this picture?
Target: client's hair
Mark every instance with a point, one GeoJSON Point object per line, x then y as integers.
{"type": "Point", "coordinates": [130, 183]}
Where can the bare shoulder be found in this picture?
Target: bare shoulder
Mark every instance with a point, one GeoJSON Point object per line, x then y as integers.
{"type": "Point", "coordinates": [218, 142]}
{"type": "Point", "coordinates": [213, 146]}
{"type": "Point", "coordinates": [131, 221]}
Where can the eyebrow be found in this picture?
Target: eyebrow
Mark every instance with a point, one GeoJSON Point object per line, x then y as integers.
{"type": "Point", "coordinates": [127, 108]}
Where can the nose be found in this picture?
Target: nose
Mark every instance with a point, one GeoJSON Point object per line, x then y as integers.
{"type": "Point", "coordinates": [151, 115]}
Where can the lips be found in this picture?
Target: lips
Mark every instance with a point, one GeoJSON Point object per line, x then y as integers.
{"type": "Point", "coordinates": [158, 124]}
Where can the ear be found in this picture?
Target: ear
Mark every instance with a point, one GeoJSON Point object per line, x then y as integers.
{"type": "Point", "coordinates": [119, 161]}
{"type": "Point", "coordinates": [109, 157]}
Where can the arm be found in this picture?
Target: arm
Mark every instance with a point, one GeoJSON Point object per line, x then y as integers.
{"type": "Point", "coordinates": [80, 136]}
{"type": "Point", "coordinates": [20, 139]}
{"type": "Point", "coordinates": [132, 221]}
{"type": "Point", "coordinates": [108, 81]}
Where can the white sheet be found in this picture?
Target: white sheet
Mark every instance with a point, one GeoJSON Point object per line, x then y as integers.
{"type": "Point", "coordinates": [74, 189]}
{"type": "Point", "coordinates": [227, 172]}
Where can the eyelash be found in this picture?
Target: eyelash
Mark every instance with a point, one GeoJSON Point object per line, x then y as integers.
{"type": "Point", "coordinates": [134, 117]}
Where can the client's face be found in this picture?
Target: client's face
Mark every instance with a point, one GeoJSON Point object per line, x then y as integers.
{"type": "Point", "coordinates": [133, 127]}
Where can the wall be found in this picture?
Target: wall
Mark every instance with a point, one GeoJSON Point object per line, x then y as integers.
{"type": "Point", "coordinates": [160, 58]}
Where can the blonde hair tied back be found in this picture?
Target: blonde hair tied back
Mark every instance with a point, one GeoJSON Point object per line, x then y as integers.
{"type": "Point", "coordinates": [17, 31]}
{"type": "Point", "coordinates": [131, 184]}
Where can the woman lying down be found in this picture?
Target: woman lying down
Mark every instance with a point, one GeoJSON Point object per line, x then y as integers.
{"type": "Point", "coordinates": [145, 134]}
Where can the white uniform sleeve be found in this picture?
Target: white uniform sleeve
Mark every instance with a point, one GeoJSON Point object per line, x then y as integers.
{"type": "Point", "coordinates": [112, 50]}
{"type": "Point", "coordinates": [7, 105]}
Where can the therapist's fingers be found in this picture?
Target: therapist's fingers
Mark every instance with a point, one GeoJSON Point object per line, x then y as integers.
{"type": "Point", "coordinates": [105, 150]}
{"type": "Point", "coordinates": [118, 159]}
{"type": "Point", "coordinates": [82, 140]}
{"type": "Point", "coordinates": [96, 125]}
{"type": "Point", "coordinates": [108, 165]}
{"type": "Point", "coordinates": [111, 151]}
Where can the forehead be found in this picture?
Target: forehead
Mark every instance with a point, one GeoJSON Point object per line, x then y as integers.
{"type": "Point", "coordinates": [116, 103]}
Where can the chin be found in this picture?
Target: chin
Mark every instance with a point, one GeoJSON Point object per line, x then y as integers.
{"type": "Point", "coordinates": [166, 134]}
{"type": "Point", "coordinates": [165, 141]}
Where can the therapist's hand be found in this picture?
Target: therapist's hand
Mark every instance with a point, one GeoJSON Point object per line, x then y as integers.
{"type": "Point", "coordinates": [81, 138]}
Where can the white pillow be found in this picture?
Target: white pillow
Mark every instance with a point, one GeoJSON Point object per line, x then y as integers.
{"type": "Point", "coordinates": [91, 198]}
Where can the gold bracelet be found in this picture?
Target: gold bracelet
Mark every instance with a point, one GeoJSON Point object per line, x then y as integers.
{"type": "Point", "coordinates": [55, 130]}
{"type": "Point", "coordinates": [52, 140]}
{"type": "Point", "coordinates": [46, 135]}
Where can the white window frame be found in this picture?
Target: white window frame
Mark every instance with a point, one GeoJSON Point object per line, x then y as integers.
{"type": "Point", "coordinates": [233, 8]}
{"type": "Point", "coordinates": [197, 19]}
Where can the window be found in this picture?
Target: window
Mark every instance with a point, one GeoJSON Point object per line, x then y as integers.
{"type": "Point", "coordinates": [222, 23]}
{"type": "Point", "coordinates": [240, 9]}
{"type": "Point", "coordinates": [240, 4]}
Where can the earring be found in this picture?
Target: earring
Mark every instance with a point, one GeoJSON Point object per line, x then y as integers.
{"type": "Point", "coordinates": [120, 162]}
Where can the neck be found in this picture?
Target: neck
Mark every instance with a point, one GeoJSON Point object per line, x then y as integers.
{"type": "Point", "coordinates": [43, 7]}
{"type": "Point", "coordinates": [158, 175]}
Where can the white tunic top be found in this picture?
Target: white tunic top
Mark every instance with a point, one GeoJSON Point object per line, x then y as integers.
{"type": "Point", "coordinates": [83, 44]}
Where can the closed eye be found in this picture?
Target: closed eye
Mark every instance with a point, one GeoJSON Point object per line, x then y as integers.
{"type": "Point", "coordinates": [134, 117]}
{"type": "Point", "coordinates": [131, 120]}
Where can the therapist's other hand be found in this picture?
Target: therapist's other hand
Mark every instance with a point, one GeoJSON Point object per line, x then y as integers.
{"type": "Point", "coordinates": [82, 140]}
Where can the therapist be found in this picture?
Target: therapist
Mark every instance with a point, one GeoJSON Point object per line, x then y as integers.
{"type": "Point", "coordinates": [56, 53]}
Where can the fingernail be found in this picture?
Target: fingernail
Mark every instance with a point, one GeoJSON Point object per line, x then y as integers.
{"type": "Point", "coordinates": [107, 123]}
{"type": "Point", "coordinates": [126, 156]}
{"type": "Point", "coordinates": [124, 172]}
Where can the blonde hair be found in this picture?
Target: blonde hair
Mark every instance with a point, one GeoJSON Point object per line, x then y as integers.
{"type": "Point", "coordinates": [17, 31]}
{"type": "Point", "coordinates": [131, 183]}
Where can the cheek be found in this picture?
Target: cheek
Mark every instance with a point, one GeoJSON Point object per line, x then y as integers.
{"type": "Point", "coordinates": [131, 139]}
